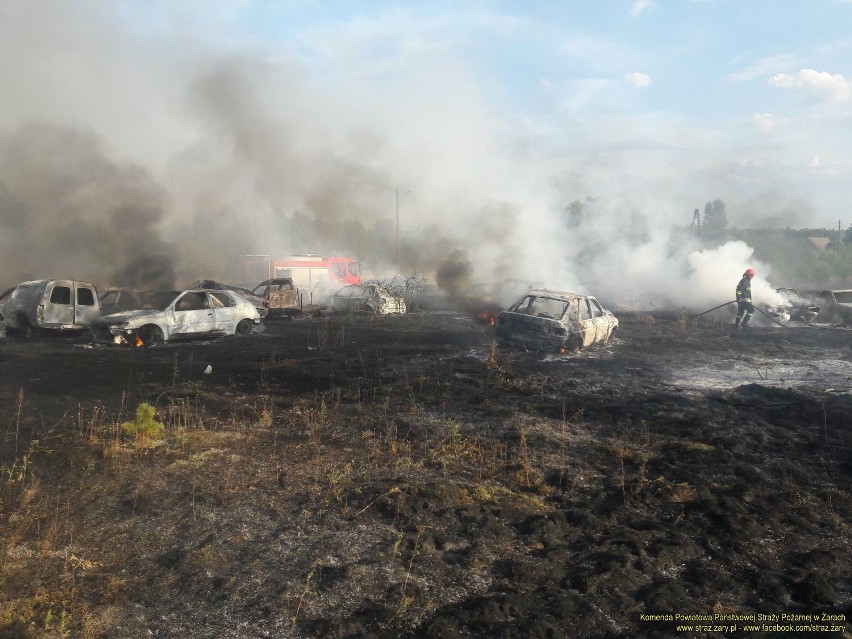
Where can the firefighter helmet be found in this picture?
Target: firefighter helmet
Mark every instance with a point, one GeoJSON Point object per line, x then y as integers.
{"type": "Point", "coordinates": [749, 272]}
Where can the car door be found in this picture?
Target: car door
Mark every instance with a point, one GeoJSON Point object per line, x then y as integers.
{"type": "Point", "coordinates": [86, 307]}
{"type": "Point", "coordinates": [192, 314]}
{"type": "Point", "coordinates": [587, 322]}
{"type": "Point", "coordinates": [59, 303]}
{"type": "Point", "coordinates": [225, 316]}
{"type": "Point", "coordinates": [600, 321]}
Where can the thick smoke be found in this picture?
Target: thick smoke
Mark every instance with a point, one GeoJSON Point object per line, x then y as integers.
{"type": "Point", "coordinates": [149, 156]}
{"type": "Point", "coordinates": [66, 210]}
{"type": "Point", "coordinates": [455, 273]}
{"type": "Point", "coordinates": [634, 259]}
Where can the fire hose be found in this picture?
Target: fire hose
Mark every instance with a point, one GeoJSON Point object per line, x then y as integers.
{"type": "Point", "coordinates": [758, 309]}
{"type": "Point", "coordinates": [715, 307]}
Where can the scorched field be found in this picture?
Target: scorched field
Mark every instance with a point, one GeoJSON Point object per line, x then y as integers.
{"type": "Point", "coordinates": [403, 477]}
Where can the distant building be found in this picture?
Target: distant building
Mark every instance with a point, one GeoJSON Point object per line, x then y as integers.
{"type": "Point", "coordinates": [820, 243]}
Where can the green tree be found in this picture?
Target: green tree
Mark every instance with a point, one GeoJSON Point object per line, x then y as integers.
{"type": "Point", "coordinates": [715, 216]}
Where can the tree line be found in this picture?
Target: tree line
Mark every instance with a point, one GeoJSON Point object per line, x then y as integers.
{"type": "Point", "coordinates": [795, 260]}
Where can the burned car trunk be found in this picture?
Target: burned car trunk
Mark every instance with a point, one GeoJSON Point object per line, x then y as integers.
{"type": "Point", "coordinates": [555, 321]}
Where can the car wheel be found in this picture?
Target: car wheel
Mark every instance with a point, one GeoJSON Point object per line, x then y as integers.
{"type": "Point", "coordinates": [151, 335]}
{"type": "Point", "coordinates": [244, 327]}
{"type": "Point", "coordinates": [574, 344]}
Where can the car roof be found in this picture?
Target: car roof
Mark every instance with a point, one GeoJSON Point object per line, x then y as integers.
{"type": "Point", "coordinates": [549, 292]}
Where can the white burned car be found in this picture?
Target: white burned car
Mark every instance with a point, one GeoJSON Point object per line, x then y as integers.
{"type": "Point", "coordinates": [555, 321]}
{"type": "Point", "coordinates": [366, 298]}
{"type": "Point", "coordinates": [49, 305]}
{"type": "Point", "coordinates": [178, 315]}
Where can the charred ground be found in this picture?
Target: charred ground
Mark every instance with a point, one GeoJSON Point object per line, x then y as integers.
{"type": "Point", "coordinates": [398, 476]}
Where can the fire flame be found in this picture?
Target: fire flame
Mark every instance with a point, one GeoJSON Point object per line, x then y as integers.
{"type": "Point", "coordinates": [139, 342]}
{"type": "Point", "coordinates": [487, 317]}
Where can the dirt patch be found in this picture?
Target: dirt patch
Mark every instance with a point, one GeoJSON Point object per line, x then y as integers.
{"type": "Point", "coordinates": [399, 476]}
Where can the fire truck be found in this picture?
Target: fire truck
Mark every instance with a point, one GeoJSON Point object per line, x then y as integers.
{"type": "Point", "coordinates": [310, 271]}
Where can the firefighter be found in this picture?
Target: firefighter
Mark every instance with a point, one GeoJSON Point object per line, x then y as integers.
{"type": "Point", "coordinates": [744, 307]}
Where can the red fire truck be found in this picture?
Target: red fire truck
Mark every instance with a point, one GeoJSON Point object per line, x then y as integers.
{"type": "Point", "coordinates": [309, 271]}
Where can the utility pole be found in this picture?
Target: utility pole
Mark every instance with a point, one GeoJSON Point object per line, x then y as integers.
{"type": "Point", "coordinates": [398, 271]}
{"type": "Point", "coordinates": [696, 223]}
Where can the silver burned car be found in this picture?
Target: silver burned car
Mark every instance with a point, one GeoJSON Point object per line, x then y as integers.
{"type": "Point", "coordinates": [178, 315]}
{"type": "Point", "coordinates": [555, 321]}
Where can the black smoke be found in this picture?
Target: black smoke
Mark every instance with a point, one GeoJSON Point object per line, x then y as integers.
{"type": "Point", "coordinates": [68, 210]}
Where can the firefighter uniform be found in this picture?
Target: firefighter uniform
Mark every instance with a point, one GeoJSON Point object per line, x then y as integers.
{"type": "Point", "coordinates": [744, 306]}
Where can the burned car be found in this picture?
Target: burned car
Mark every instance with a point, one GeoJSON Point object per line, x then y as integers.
{"type": "Point", "coordinates": [366, 298]}
{"type": "Point", "coordinates": [114, 300]}
{"type": "Point", "coordinates": [42, 305]}
{"type": "Point", "coordinates": [178, 315]}
{"type": "Point", "coordinates": [794, 306]}
{"type": "Point", "coordinates": [555, 321]}
{"type": "Point", "coordinates": [211, 285]}
{"type": "Point", "coordinates": [3, 296]}
{"type": "Point", "coordinates": [836, 304]}
{"type": "Point", "coordinates": [284, 299]}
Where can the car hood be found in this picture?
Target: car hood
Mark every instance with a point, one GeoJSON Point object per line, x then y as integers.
{"type": "Point", "coordinates": [127, 316]}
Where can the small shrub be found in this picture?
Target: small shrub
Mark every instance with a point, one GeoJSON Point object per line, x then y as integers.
{"type": "Point", "coordinates": [145, 428]}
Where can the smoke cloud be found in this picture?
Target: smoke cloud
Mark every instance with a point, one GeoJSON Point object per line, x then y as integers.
{"type": "Point", "coordinates": [68, 210]}
{"type": "Point", "coordinates": [148, 155]}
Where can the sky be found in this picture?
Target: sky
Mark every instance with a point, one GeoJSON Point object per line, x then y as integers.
{"type": "Point", "coordinates": [209, 124]}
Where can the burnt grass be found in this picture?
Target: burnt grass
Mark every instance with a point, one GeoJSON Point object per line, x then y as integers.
{"type": "Point", "coordinates": [399, 477]}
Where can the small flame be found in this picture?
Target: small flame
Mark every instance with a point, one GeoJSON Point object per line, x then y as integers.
{"type": "Point", "coordinates": [139, 342]}
{"type": "Point", "coordinates": [487, 317]}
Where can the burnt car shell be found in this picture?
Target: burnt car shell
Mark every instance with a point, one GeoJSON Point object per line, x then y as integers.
{"type": "Point", "coordinates": [116, 300]}
{"type": "Point", "coordinates": [555, 321]}
{"type": "Point", "coordinates": [366, 298]}
{"type": "Point", "coordinates": [280, 295]}
{"type": "Point", "coordinates": [175, 315]}
{"type": "Point", "coordinates": [259, 302]}
{"type": "Point", "coordinates": [836, 304]}
{"type": "Point", "coordinates": [798, 307]}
